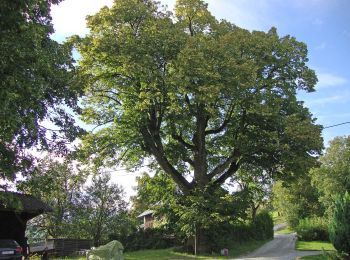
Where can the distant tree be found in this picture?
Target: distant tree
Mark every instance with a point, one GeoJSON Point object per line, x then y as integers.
{"type": "Point", "coordinates": [36, 85]}
{"type": "Point", "coordinates": [255, 186]}
{"type": "Point", "coordinates": [58, 182]}
{"type": "Point", "coordinates": [339, 230]}
{"type": "Point", "coordinates": [296, 200]}
{"type": "Point", "coordinates": [99, 207]}
{"type": "Point", "coordinates": [332, 177]}
{"type": "Point", "coordinates": [196, 96]}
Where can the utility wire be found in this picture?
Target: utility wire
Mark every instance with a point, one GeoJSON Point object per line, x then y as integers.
{"type": "Point", "coordinates": [336, 125]}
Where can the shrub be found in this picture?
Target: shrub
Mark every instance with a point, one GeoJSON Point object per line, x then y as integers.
{"type": "Point", "coordinates": [339, 229]}
{"type": "Point", "coordinates": [310, 229]}
{"type": "Point", "coordinates": [263, 226]}
{"type": "Point", "coordinates": [151, 238]}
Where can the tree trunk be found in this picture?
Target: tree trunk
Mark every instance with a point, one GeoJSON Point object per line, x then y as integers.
{"type": "Point", "coordinates": [202, 244]}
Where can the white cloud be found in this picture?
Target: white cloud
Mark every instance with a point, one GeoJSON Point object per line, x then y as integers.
{"type": "Point", "coordinates": [327, 80]}
{"type": "Point", "coordinates": [69, 16]}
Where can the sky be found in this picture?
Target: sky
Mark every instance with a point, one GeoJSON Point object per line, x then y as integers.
{"type": "Point", "coordinates": [324, 25]}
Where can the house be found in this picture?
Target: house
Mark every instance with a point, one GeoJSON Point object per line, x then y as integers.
{"type": "Point", "coordinates": [15, 211]}
{"type": "Point", "coordinates": [147, 217]}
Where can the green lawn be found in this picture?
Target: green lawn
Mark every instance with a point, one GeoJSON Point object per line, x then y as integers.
{"type": "Point", "coordinates": [314, 257]}
{"type": "Point", "coordinates": [284, 231]}
{"type": "Point", "coordinates": [314, 245]}
{"type": "Point", "coordinates": [165, 254]}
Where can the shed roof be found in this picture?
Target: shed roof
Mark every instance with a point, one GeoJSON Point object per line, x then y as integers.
{"type": "Point", "coordinates": [145, 213]}
{"type": "Point", "coordinates": [18, 202]}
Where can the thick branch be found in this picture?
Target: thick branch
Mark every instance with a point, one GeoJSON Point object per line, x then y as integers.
{"type": "Point", "coordinates": [221, 167]}
{"type": "Point", "coordinates": [223, 125]}
{"type": "Point", "coordinates": [182, 141]}
{"type": "Point", "coordinates": [230, 171]}
{"type": "Point", "coordinates": [152, 146]}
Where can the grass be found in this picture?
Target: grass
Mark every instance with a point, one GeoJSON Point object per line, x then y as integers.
{"type": "Point", "coordinates": [284, 231]}
{"type": "Point", "coordinates": [314, 257]}
{"type": "Point", "coordinates": [314, 245]}
{"type": "Point", "coordinates": [167, 254]}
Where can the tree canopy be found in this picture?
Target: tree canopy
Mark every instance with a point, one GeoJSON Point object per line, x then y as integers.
{"type": "Point", "coordinates": [197, 96]}
{"type": "Point", "coordinates": [35, 74]}
{"type": "Point", "coordinates": [332, 177]}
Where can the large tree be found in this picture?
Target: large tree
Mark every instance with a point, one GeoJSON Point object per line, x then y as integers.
{"type": "Point", "coordinates": [35, 83]}
{"type": "Point", "coordinates": [197, 96]}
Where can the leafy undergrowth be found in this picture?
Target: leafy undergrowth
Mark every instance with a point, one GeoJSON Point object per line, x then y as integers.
{"type": "Point", "coordinates": [314, 245]}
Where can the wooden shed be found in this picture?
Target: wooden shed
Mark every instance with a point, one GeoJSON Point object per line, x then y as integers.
{"type": "Point", "coordinates": [147, 218]}
{"type": "Point", "coordinates": [15, 210]}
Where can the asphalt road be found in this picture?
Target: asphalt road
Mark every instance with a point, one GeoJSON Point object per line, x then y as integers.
{"type": "Point", "coordinates": [282, 247]}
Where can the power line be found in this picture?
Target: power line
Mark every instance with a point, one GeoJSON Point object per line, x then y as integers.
{"type": "Point", "coordinates": [336, 125]}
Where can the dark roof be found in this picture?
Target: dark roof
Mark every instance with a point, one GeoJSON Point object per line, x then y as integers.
{"type": "Point", "coordinates": [18, 202]}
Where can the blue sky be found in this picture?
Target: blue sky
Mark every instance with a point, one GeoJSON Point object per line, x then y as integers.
{"type": "Point", "coordinates": [324, 25]}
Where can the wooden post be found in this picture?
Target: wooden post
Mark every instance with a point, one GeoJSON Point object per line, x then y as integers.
{"type": "Point", "coordinates": [195, 241]}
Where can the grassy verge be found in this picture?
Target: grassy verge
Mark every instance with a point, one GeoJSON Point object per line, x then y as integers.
{"type": "Point", "coordinates": [314, 257]}
{"type": "Point", "coordinates": [314, 245]}
{"type": "Point", "coordinates": [284, 231]}
{"type": "Point", "coordinates": [163, 254]}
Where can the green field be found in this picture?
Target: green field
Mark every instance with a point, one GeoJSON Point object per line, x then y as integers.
{"type": "Point", "coordinates": [314, 245]}
{"type": "Point", "coordinates": [166, 254]}
{"type": "Point", "coordinates": [163, 254]}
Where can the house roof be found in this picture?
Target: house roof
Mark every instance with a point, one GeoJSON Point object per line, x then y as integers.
{"type": "Point", "coordinates": [146, 213]}
{"type": "Point", "coordinates": [22, 203]}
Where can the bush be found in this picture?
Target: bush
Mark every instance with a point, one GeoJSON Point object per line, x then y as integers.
{"type": "Point", "coordinates": [339, 229]}
{"type": "Point", "coordinates": [263, 226]}
{"type": "Point", "coordinates": [151, 238]}
{"type": "Point", "coordinates": [310, 229]}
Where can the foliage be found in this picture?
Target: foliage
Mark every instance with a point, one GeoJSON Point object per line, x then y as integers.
{"type": "Point", "coordinates": [151, 238]}
{"type": "Point", "coordinates": [99, 210]}
{"type": "Point", "coordinates": [181, 215]}
{"type": "Point", "coordinates": [296, 200]}
{"type": "Point", "coordinates": [36, 74]}
{"type": "Point", "coordinates": [263, 226]}
{"type": "Point", "coordinates": [255, 186]}
{"type": "Point", "coordinates": [198, 98]}
{"type": "Point", "coordinates": [57, 183]}
{"type": "Point", "coordinates": [339, 229]}
{"type": "Point", "coordinates": [96, 211]}
{"type": "Point", "coordinates": [310, 229]}
{"type": "Point", "coordinates": [332, 177]}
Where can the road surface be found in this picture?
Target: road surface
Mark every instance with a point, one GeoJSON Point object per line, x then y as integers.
{"type": "Point", "coordinates": [282, 247]}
